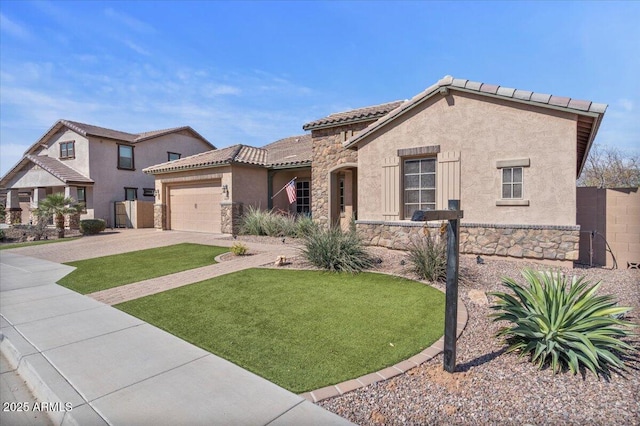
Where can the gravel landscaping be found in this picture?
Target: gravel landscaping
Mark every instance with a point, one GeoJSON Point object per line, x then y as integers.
{"type": "Point", "coordinates": [489, 386]}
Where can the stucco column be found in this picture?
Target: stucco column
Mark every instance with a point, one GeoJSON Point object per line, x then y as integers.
{"type": "Point", "coordinates": [12, 208]}
{"type": "Point", "coordinates": [348, 196]}
{"type": "Point", "coordinates": [71, 192]}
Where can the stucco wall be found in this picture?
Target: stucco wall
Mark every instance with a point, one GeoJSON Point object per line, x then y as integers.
{"type": "Point", "coordinates": [111, 181]}
{"type": "Point", "coordinates": [249, 186]}
{"type": "Point", "coordinates": [614, 214]}
{"type": "Point", "coordinates": [279, 179]}
{"type": "Point", "coordinates": [483, 131]}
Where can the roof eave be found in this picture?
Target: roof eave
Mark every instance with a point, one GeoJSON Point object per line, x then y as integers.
{"type": "Point", "coordinates": [184, 168]}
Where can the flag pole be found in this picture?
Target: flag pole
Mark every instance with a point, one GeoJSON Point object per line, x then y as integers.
{"type": "Point", "coordinates": [282, 189]}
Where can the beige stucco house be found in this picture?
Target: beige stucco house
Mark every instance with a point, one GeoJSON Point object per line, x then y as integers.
{"type": "Point", "coordinates": [510, 156]}
{"type": "Point", "coordinates": [93, 165]}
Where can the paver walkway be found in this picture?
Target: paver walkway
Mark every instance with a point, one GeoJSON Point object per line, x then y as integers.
{"type": "Point", "coordinates": [128, 292]}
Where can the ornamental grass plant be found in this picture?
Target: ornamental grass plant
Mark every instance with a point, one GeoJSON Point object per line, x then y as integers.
{"type": "Point", "coordinates": [336, 250]}
{"type": "Point", "coordinates": [275, 224]}
{"type": "Point", "coordinates": [428, 258]}
{"type": "Point", "coordinates": [562, 323]}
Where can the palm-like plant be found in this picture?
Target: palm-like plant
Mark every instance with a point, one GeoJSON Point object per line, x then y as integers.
{"type": "Point", "coordinates": [561, 322]}
{"type": "Point", "coordinates": [57, 205]}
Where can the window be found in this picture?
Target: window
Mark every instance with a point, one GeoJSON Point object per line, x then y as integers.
{"type": "Point", "coordinates": [303, 197]}
{"type": "Point", "coordinates": [174, 156]}
{"type": "Point", "coordinates": [81, 194]}
{"type": "Point", "coordinates": [148, 192]}
{"type": "Point", "coordinates": [131, 193]}
{"type": "Point", "coordinates": [125, 157]}
{"type": "Point", "coordinates": [341, 191]}
{"type": "Point", "coordinates": [67, 149]}
{"type": "Point", "coordinates": [512, 183]}
{"type": "Point", "coordinates": [419, 185]}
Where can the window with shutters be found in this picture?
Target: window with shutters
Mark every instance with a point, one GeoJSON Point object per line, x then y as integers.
{"type": "Point", "coordinates": [419, 185]}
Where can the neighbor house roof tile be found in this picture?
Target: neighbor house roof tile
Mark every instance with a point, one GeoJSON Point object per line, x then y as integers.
{"type": "Point", "coordinates": [58, 169]}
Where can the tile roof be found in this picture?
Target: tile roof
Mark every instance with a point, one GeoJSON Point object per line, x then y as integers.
{"type": "Point", "coordinates": [287, 152]}
{"type": "Point", "coordinates": [590, 113]}
{"type": "Point", "coordinates": [355, 115]}
{"type": "Point", "coordinates": [291, 151]}
{"type": "Point", "coordinates": [102, 132]}
{"type": "Point", "coordinates": [58, 169]}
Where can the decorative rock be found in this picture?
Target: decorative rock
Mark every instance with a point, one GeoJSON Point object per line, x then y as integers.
{"type": "Point", "coordinates": [478, 297]}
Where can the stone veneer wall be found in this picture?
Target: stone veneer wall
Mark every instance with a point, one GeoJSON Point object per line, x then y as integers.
{"type": "Point", "coordinates": [548, 242]}
{"type": "Point", "coordinates": [327, 154]}
{"type": "Point", "coordinates": [159, 216]}
{"type": "Point", "coordinates": [231, 217]}
{"type": "Point", "coordinates": [13, 216]}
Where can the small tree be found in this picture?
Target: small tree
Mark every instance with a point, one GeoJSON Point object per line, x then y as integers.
{"type": "Point", "coordinates": [608, 167]}
{"type": "Point", "coordinates": [57, 205]}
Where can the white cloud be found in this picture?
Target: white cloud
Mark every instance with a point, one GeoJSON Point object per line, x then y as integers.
{"type": "Point", "coordinates": [136, 48]}
{"type": "Point", "coordinates": [13, 28]}
{"type": "Point", "coordinates": [626, 104]}
{"type": "Point", "coordinates": [131, 22]}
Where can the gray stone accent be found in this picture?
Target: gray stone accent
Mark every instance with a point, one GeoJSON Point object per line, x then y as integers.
{"type": "Point", "coordinates": [328, 152]}
{"type": "Point", "coordinates": [160, 216]}
{"type": "Point", "coordinates": [231, 217]}
{"type": "Point", "coordinates": [548, 242]}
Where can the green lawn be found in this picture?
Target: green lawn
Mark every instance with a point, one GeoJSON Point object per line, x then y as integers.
{"type": "Point", "coordinates": [106, 272]}
{"type": "Point", "coordinates": [301, 329]}
{"type": "Point", "coordinates": [36, 243]}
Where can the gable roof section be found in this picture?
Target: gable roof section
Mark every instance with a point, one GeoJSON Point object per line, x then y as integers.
{"type": "Point", "coordinates": [288, 152]}
{"type": "Point", "coordinates": [353, 116]}
{"type": "Point", "coordinates": [102, 132]}
{"type": "Point", "coordinates": [589, 113]}
{"type": "Point", "coordinates": [52, 165]}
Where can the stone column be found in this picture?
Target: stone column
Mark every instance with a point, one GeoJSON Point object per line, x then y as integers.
{"type": "Point", "coordinates": [231, 217]}
{"type": "Point", "coordinates": [12, 208]}
{"type": "Point", "coordinates": [160, 216]}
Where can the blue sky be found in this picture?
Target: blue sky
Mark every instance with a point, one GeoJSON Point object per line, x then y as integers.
{"type": "Point", "coordinates": [255, 72]}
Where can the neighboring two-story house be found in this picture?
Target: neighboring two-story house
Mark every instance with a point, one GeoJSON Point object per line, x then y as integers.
{"type": "Point", "coordinates": [510, 156]}
{"type": "Point", "coordinates": [93, 165]}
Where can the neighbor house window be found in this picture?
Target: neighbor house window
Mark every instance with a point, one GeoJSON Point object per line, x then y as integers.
{"type": "Point", "coordinates": [303, 197]}
{"type": "Point", "coordinates": [125, 157]}
{"type": "Point", "coordinates": [131, 193]}
{"type": "Point", "coordinates": [147, 192]}
{"type": "Point", "coordinates": [67, 149]}
{"type": "Point", "coordinates": [81, 194]}
{"type": "Point", "coordinates": [174, 156]}
{"type": "Point", "coordinates": [419, 185]}
{"type": "Point", "coordinates": [512, 183]}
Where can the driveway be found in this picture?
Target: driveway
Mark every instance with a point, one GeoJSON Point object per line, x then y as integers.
{"type": "Point", "coordinates": [122, 241]}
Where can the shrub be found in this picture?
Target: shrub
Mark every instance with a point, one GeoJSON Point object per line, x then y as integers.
{"type": "Point", "coordinates": [335, 250]}
{"type": "Point", "coordinates": [304, 226]}
{"type": "Point", "coordinates": [239, 249]}
{"type": "Point", "coordinates": [563, 323]}
{"type": "Point", "coordinates": [428, 258]}
{"type": "Point", "coordinates": [1, 234]}
{"type": "Point", "coordinates": [274, 224]}
{"type": "Point", "coordinates": [92, 226]}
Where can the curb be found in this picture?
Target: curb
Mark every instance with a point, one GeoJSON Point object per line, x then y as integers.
{"type": "Point", "coordinates": [65, 405]}
{"type": "Point", "coordinates": [389, 372]}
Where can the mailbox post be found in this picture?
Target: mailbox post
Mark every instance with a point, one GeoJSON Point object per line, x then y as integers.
{"type": "Point", "coordinates": [453, 216]}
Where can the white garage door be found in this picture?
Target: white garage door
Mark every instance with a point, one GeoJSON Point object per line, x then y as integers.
{"type": "Point", "coordinates": [195, 207]}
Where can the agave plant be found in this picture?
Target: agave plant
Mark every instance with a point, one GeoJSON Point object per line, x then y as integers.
{"type": "Point", "coordinates": [561, 322]}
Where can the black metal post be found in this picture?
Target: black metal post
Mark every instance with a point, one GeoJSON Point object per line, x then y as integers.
{"type": "Point", "coordinates": [451, 296]}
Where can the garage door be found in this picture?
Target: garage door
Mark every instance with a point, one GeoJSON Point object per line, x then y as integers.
{"type": "Point", "coordinates": [195, 207]}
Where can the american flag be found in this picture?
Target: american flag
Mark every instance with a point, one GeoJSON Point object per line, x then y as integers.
{"type": "Point", "coordinates": [291, 191]}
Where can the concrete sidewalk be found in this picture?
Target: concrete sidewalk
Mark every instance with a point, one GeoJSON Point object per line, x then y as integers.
{"type": "Point", "coordinates": [94, 364]}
